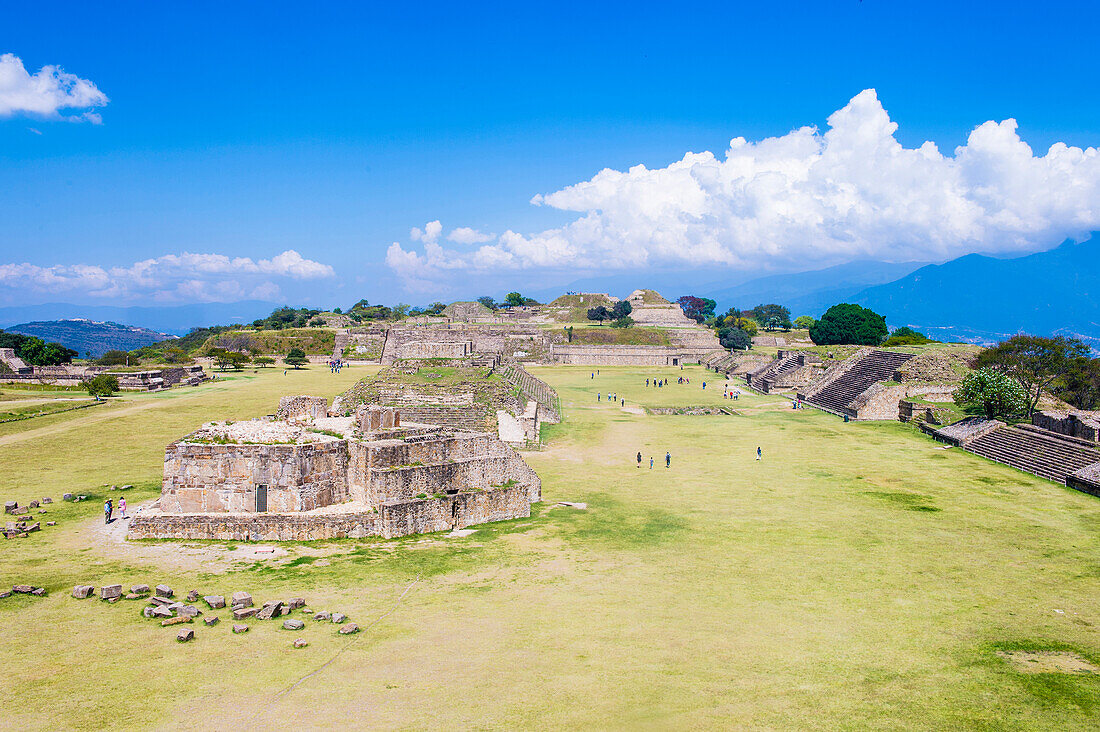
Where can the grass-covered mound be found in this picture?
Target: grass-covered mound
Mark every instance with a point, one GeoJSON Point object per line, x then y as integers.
{"type": "Point", "coordinates": [312, 341]}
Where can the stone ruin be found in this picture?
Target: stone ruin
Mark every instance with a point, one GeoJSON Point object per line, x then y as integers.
{"type": "Point", "coordinates": [299, 476]}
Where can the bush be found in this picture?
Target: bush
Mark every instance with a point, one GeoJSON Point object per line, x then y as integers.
{"type": "Point", "coordinates": [805, 321]}
{"type": "Point", "coordinates": [734, 338]}
{"type": "Point", "coordinates": [998, 395]}
{"type": "Point", "coordinates": [849, 324]}
{"type": "Point", "coordinates": [624, 322]}
{"type": "Point", "coordinates": [906, 336]}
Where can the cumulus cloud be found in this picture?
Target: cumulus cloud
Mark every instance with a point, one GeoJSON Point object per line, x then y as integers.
{"type": "Point", "coordinates": [466, 235]}
{"type": "Point", "coordinates": [47, 92]}
{"type": "Point", "coordinates": [171, 277]}
{"type": "Point", "coordinates": [808, 198]}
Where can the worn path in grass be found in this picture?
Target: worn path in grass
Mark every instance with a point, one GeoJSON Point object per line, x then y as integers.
{"type": "Point", "coordinates": [857, 577]}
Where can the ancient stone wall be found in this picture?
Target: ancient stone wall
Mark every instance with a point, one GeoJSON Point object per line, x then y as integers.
{"type": "Point", "coordinates": [882, 402]}
{"type": "Point", "coordinates": [203, 478]}
{"type": "Point", "coordinates": [302, 406]}
{"type": "Point", "coordinates": [534, 389]}
{"type": "Point", "coordinates": [1080, 424]}
{"type": "Point", "coordinates": [608, 355]}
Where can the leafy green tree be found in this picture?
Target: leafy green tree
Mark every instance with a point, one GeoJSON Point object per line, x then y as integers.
{"type": "Point", "coordinates": [772, 317]}
{"type": "Point", "coordinates": [734, 338]}
{"type": "Point", "coordinates": [337, 311]}
{"type": "Point", "coordinates": [624, 322]}
{"type": "Point", "coordinates": [296, 358]}
{"type": "Point", "coordinates": [102, 385]}
{"type": "Point", "coordinates": [805, 321]}
{"type": "Point", "coordinates": [746, 325]}
{"type": "Point", "coordinates": [263, 361]}
{"type": "Point", "coordinates": [514, 300]}
{"type": "Point", "coordinates": [849, 324]}
{"type": "Point", "coordinates": [226, 359]}
{"type": "Point", "coordinates": [599, 313]}
{"type": "Point", "coordinates": [997, 394]}
{"type": "Point", "coordinates": [1080, 385]}
{"type": "Point", "coordinates": [400, 311]}
{"type": "Point", "coordinates": [114, 358]}
{"type": "Point", "coordinates": [488, 302]}
{"type": "Point", "coordinates": [621, 309]}
{"type": "Point", "coordinates": [906, 336]}
{"type": "Point", "coordinates": [1034, 361]}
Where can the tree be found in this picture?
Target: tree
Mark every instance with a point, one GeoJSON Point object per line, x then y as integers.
{"type": "Point", "coordinates": [621, 309]}
{"type": "Point", "coordinates": [624, 322]}
{"type": "Point", "coordinates": [996, 393]}
{"type": "Point", "coordinates": [263, 361]}
{"type": "Point", "coordinates": [102, 385]}
{"type": "Point", "coordinates": [114, 358]}
{"type": "Point", "coordinates": [747, 325]}
{"type": "Point", "coordinates": [599, 313]}
{"type": "Point", "coordinates": [906, 336]}
{"type": "Point", "coordinates": [226, 359]}
{"type": "Point", "coordinates": [849, 324]}
{"type": "Point", "coordinates": [514, 300]}
{"type": "Point", "coordinates": [1080, 385]}
{"type": "Point", "coordinates": [337, 311]}
{"type": "Point", "coordinates": [697, 308]}
{"type": "Point", "coordinates": [488, 302]}
{"type": "Point", "coordinates": [1034, 361]}
{"type": "Point", "coordinates": [805, 321]}
{"type": "Point", "coordinates": [296, 358]}
{"type": "Point", "coordinates": [772, 316]}
{"type": "Point", "coordinates": [734, 338]}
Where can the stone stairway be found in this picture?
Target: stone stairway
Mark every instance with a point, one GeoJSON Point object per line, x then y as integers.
{"type": "Point", "coordinates": [838, 395]}
{"type": "Point", "coordinates": [1035, 450]}
{"type": "Point", "coordinates": [470, 417]}
{"type": "Point", "coordinates": [343, 338]}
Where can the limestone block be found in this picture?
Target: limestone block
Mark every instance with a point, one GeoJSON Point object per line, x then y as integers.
{"type": "Point", "coordinates": [214, 602]}
{"type": "Point", "coordinates": [300, 642]}
{"type": "Point", "coordinates": [240, 628]}
{"type": "Point", "coordinates": [164, 591]}
{"type": "Point", "coordinates": [108, 592]}
{"type": "Point", "coordinates": [349, 629]}
{"type": "Point", "coordinates": [185, 635]}
{"type": "Point", "coordinates": [244, 612]}
{"type": "Point", "coordinates": [293, 624]}
{"type": "Point", "coordinates": [82, 591]}
{"type": "Point", "coordinates": [242, 599]}
{"type": "Point", "coordinates": [211, 621]}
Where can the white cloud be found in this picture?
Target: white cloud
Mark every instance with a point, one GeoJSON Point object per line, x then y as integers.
{"type": "Point", "coordinates": [466, 235]}
{"type": "Point", "coordinates": [808, 198]}
{"type": "Point", "coordinates": [429, 234]}
{"type": "Point", "coordinates": [171, 277]}
{"type": "Point", "coordinates": [46, 92]}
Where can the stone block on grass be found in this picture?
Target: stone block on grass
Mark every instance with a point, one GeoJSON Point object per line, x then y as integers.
{"type": "Point", "coordinates": [214, 602]}
{"type": "Point", "coordinates": [212, 620]}
{"type": "Point", "coordinates": [293, 624]}
{"type": "Point", "coordinates": [349, 629]}
{"type": "Point", "coordinates": [81, 592]}
{"type": "Point", "coordinates": [243, 599]}
{"type": "Point", "coordinates": [240, 628]}
{"type": "Point", "coordinates": [185, 635]}
{"type": "Point", "coordinates": [164, 591]}
{"type": "Point", "coordinates": [108, 592]}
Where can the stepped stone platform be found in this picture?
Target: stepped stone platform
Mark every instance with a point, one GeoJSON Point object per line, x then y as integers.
{"type": "Point", "coordinates": [302, 477]}
{"type": "Point", "coordinates": [1057, 457]}
{"type": "Point", "coordinates": [855, 387]}
{"type": "Point", "coordinates": [790, 369]}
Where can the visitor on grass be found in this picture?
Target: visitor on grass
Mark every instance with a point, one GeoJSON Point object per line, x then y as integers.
{"type": "Point", "coordinates": [108, 509]}
{"type": "Point", "coordinates": [122, 507]}
{"type": "Point", "coordinates": [647, 382]}
{"type": "Point", "coordinates": [651, 462]}
{"type": "Point", "coordinates": [639, 459]}
{"type": "Point", "coordinates": [759, 454]}
{"type": "Point", "coordinates": [668, 459]}
{"type": "Point", "coordinates": [623, 404]}
{"type": "Point", "coordinates": [597, 396]}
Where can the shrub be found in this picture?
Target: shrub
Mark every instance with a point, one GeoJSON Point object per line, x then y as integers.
{"type": "Point", "coordinates": [734, 338]}
{"type": "Point", "coordinates": [805, 321]}
{"type": "Point", "coordinates": [624, 322]}
{"type": "Point", "coordinates": [102, 385]}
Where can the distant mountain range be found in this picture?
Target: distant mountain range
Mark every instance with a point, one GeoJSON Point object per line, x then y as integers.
{"type": "Point", "coordinates": [811, 293]}
{"type": "Point", "coordinates": [174, 319]}
{"type": "Point", "coordinates": [980, 299]}
{"type": "Point", "coordinates": [88, 337]}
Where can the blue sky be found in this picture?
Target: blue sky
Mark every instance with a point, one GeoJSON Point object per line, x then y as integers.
{"type": "Point", "coordinates": [243, 131]}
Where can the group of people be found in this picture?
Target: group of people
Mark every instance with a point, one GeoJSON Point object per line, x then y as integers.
{"type": "Point", "coordinates": [668, 460]}
{"type": "Point", "coordinates": [611, 398]}
{"type": "Point", "coordinates": [109, 509]}
{"type": "Point", "coordinates": [335, 365]}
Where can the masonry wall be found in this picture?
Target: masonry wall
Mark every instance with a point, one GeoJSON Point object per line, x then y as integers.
{"type": "Point", "coordinates": [621, 355]}
{"type": "Point", "coordinates": [1083, 425]}
{"type": "Point", "coordinates": [883, 402]}
{"type": "Point", "coordinates": [202, 478]}
{"type": "Point", "coordinates": [391, 520]}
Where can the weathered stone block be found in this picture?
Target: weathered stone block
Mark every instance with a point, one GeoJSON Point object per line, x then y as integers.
{"type": "Point", "coordinates": [164, 591]}
{"type": "Point", "coordinates": [244, 612]}
{"type": "Point", "coordinates": [296, 602]}
{"type": "Point", "coordinates": [108, 592]}
{"type": "Point", "coordinates": [323, 616]}
{"type": "Point", "coordinates": [10, 506]}
{"type": "Point", "coordinates": [213, 620]}
{"type": "Point", "coordinates": [240, 628]}
{"type": "Point", "coordinates": [300, 643]}
{"type": "Point", "coordinates": [293, 624]}
{"type": "Point", "coordinates": [176, 621]}
{"type": "Point", "coordinates": [339, 617]}
{"type": "Point", "coordinates": [242, 599]}
{"type": "Point", "coordinates": [214, 602]}
{"type": "Point", "coordinates": [193, 596]}
{"type": "Point", "coordinates": [270, 610]}
{"type": "Point", "coordinates": [349, 629]}
{"type": "Point", "coordinates": [22, 589]}
{"type": "Point", "coordinates": [190, 611]}
{"type": "Point", "coordinates": [161, 612]}
{"type": "Point", "coordinates": [186, 635]}
{"type": "Point", "coordinates": [140, 589]}
{"type": "Point", "coordinates": [81, 592]}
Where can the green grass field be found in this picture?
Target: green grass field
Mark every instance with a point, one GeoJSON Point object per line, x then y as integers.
{"type": "Point", "coordinates": [857, 577]}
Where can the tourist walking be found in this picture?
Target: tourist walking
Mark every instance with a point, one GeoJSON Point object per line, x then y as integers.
{"type": "Point", "coordinates": [651, 462]}
{"type": "Point", "coordinates": [598, 396]}
{"type": "Point", "coordinates": [759, 454]}
{"type": "Point", "coordinates": [668, 459]}
{"type": "Point", "coordinates": [122, 507]}
{"type": "Point", "coordinates": [108, 509]}
{"type": "Point", "coordinates": [639, 459]}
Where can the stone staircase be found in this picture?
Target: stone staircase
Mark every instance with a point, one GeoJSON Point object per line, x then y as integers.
{"type": "Point", "coordinates": [836, 392]}
{"type": "Point", "coordinates": [472, 417]}
{"type": "Point", "coordinates": [343, 338]}
{"type": "Point", "coordinates": [765, 378]}
{"type": "Point", "coordinates": [1035, 450]}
